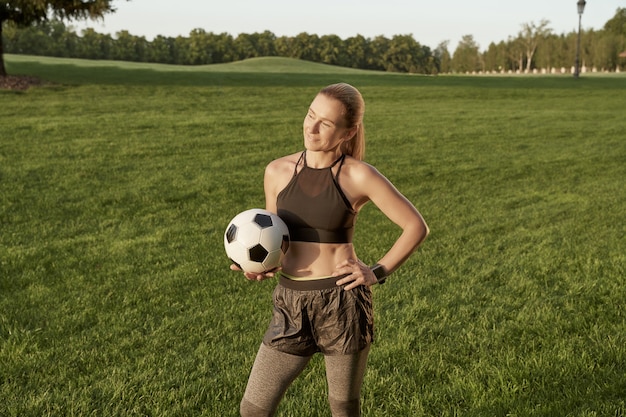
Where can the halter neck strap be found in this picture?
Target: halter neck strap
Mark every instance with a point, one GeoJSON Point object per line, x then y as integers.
{"type": "Point", "coordinates": [303, 159]}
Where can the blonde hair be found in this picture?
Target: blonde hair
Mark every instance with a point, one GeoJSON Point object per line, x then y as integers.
{"type": "Point", "coordinates": [354, 106]}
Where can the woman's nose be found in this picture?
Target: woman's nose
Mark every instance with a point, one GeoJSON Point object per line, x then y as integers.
{"type": "Point", "coordinates": [312, 126]}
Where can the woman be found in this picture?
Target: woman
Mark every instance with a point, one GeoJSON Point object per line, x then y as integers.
{"type": "Point", "coordinates": [322, 302]}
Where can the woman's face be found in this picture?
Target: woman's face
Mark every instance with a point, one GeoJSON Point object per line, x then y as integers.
{"type": "Point", "coordinates": [324, 125]}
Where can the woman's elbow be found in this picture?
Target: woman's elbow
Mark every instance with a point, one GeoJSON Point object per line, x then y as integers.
{"type": "Point", "coordinates": [423, 233]}
{"type": "Point", "coordinates": [419, 230]}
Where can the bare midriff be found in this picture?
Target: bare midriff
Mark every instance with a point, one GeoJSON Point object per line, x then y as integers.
{"type": "Point", "coordinates": [309, 259]}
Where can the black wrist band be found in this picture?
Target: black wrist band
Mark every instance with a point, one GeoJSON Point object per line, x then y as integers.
{"type": "Point", "coordinates": [379, 273]}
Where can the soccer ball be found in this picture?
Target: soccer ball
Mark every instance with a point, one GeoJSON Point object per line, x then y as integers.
{"type": "Point", "coordinates": [256, 240]}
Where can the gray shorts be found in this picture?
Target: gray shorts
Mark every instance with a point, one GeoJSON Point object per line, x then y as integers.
{"type": "Point", "coordinates": [328, 320]}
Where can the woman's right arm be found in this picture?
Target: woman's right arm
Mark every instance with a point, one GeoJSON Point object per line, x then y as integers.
{"type": "Point", "coordinates": [272, 174]}
{"type": "Point", "coordinates": [271, 185]}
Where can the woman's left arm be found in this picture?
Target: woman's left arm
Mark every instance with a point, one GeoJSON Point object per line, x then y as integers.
{"type": "Point", "coordinates": [379, 190]}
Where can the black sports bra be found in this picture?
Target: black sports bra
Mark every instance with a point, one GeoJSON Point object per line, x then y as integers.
{"type": "Point", "coordinates": [314, 207]}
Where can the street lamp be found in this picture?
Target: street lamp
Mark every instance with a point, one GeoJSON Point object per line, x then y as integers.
{"type": "Point", "coordinates": [581, 9]}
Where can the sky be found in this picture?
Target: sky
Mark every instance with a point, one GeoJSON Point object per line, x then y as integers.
{"type": "Point", "coordinates": [430, 22]}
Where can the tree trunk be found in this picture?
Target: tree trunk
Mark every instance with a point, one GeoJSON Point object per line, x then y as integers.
{"type": "Point", "coordinates": [3, 70]}
{"type": "Point", "coordinates": [529, 56]}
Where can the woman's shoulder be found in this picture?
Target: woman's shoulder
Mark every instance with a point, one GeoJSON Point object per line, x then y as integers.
{"type": "Point", "coordinates": [282, 164]}
{"type": "Point", "coordinates": [359, 170]}
{"type": "Point", "coordinates": [361, 181]}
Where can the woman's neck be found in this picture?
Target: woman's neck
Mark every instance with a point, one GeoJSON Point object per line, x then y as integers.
{"type": "Point", "coordinates": [321, 159]}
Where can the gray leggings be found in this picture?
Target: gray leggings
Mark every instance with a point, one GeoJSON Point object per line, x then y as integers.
{"type": "Point", "coordinates": [273, 371]}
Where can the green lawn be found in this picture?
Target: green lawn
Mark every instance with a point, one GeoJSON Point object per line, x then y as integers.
{"type": "Point", "coordinates": [117, 181]}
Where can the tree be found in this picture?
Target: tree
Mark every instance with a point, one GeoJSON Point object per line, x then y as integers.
{"type": "Point", "coordinates": [265, 43]}
{"type": "Point", "coordinates": [378, 47]}
{"type": "Point", "coordinates": [357, 48]}
{"type": "Point", "coordinates": [200, 52]}
{"type": "Point", "coordinates": [94, 45]}
{"type": "Point", "coordinates": [26, 12]}
{"type": "Point", "coordinates": [403, 54]}
{"type": "Point", "coordinates": [161, 50]}
{"type": "Point", "coordinates": [617, 24]}
{"type": "Point", "coordinates": [306, 47]}
{"type": "Point", "coordinates": [515, 53]}
{"type": "Point", "coordinates": [443, 57]}
{"type": "Point", "coordinates": [129, 47]}
{"type": "Point", "coordinates": [466, 57]}
{"type": "Point", "coordinates": [530, 36]}
{"type": "Point", "coordinates": [331, 50]}
{"type": "Point", "coordinates": [254, 45]}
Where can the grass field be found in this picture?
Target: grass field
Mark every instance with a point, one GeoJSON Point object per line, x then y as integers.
{"type": "Point", "coordinates": [117, 181]}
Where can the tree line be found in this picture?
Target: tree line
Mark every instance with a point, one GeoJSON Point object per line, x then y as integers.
{"type": "Point", "coordinates": [534, 47]}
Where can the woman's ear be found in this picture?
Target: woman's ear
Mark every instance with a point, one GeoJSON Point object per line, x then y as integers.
{"type": "Point", "coordinates": [351, 133]}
